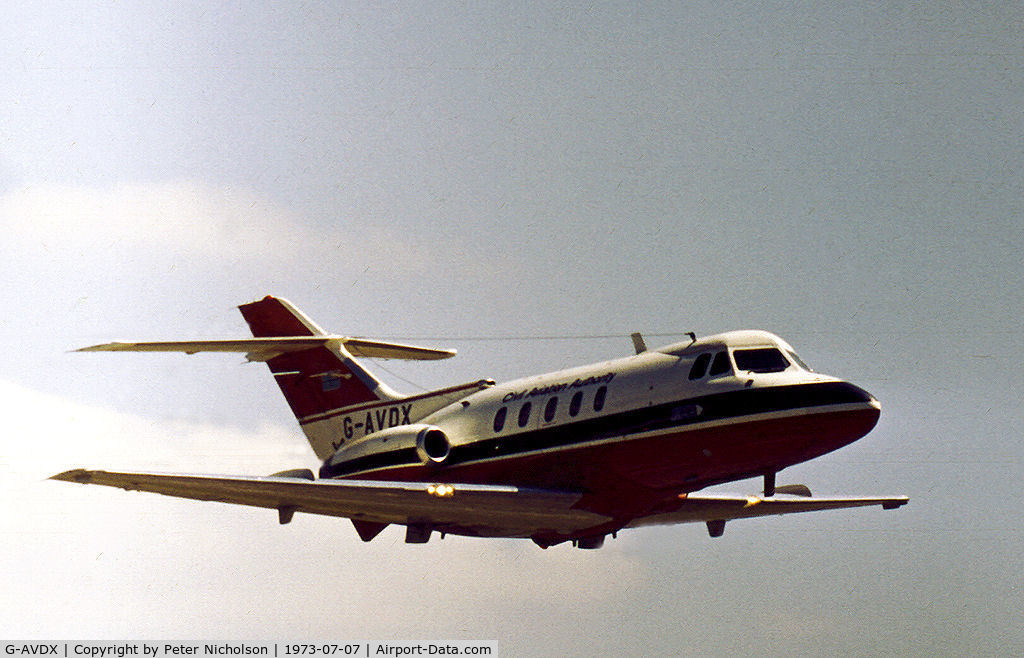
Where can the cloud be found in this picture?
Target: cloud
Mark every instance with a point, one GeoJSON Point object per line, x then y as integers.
{"type": "Point", "coordinates": [171, 215]}
{"type": "Point", "coordinates": [45, 433]}
{"type": "Point", "coordinates": [86, 257]}
{"type": "Point", "coordinates": [207, 222]}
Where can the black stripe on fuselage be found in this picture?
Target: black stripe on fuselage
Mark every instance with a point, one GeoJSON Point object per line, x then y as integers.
{"type": "Point", "coordinates": [681, 413]}
{"type": "Point", "coordinates": [400, 457]}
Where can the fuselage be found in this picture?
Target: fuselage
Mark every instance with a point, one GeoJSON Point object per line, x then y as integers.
{"type": "Point", "coordinates": [573, 455]}
{"type": "Point", "coordinates": [679, 418]}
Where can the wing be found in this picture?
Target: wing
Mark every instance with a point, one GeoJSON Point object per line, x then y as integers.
{"type": "Point", "coordinates": [716, 510]}
{"type": "Point", "coordinates": [478, 510]}
{"type": "Point", "coordinates": [466, 509]}
{"type": "Point", "coordinates": [264, 349]}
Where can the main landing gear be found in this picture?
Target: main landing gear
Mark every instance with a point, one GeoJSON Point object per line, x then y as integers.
{"type": "Point", "coordinates": [716, 527]}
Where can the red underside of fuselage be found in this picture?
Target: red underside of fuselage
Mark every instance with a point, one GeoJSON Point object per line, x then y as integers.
{"type": "Point", "coordinates": [632, 472]}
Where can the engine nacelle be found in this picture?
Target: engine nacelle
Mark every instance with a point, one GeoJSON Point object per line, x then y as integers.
{"type": "Point", "coordinates": [432, 445]}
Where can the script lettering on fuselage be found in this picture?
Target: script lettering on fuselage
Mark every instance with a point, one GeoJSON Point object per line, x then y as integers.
{"type": "Point", "coordinates": [557, 388]}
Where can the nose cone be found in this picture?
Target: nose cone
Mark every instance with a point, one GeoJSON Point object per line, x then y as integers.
{"type": "Point", "coordinates": [866, 397]}
{"type": "Point", "coordinates": [854, 412]}
{"type": "Point", "coordinates": [843, 392]}
{"type": "Point", "coordinates": [870, 409]}
{"type": "Point", "coordinates": [877, 409]}
{"type": "Point", "coordinates": [847, 392]}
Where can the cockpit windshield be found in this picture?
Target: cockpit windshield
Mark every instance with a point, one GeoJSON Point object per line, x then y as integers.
{"type": "Point", "coordinates": [760, 360]}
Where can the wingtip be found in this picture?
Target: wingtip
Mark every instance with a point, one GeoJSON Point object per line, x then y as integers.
{"type": "Point", "coordinates": [896, 503]}
{"type": "Point", "coordinates": [103, 347]}
{"type": "Point", "coordinates": [79, 475]}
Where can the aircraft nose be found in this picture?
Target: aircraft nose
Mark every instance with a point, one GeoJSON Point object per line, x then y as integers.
{"type": "Point", "coordinates": [864, 396]}
{"type": "Point", "coordinates": [849, 392]}
{"type": "Point", "coordinates": [858, 413]}
{"type": "Point", "coordinates": [870, 399]}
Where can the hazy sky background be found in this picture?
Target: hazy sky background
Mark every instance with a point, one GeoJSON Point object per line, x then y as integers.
{"type": "Point", "coordinates": [849, 178]}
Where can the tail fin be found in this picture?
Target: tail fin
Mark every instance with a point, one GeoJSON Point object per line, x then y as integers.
{"type": "Point", "coordinates": [333, 397]}
{"type": "Point", "coordinates": [317, 380]}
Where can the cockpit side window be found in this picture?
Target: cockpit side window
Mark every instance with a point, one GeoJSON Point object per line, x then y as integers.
{"type": "Point", "coordinates": [760, 360]}
{"type": "Point", "coordinates": [720, 364]}
{"type": "Point", "coordinates": [700, 366]}
{"type": "Point", "coordinates": [800, 362]}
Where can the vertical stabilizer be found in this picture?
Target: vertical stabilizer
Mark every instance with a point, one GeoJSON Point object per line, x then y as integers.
{"type": "Point", "coordinates": [317, 382]}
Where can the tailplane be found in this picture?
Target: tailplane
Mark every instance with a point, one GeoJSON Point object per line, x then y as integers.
{"type": "Point", "coordinates": [334, 398]}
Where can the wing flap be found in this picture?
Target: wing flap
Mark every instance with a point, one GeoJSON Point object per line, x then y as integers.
{"type": "Point", "coordinates": [474, 509]}
{"type": "Point", "coordinates": [264, 349]}
{"type": "Point", "coordinates": [724, 508]}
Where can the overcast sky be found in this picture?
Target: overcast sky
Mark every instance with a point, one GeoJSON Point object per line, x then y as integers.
{"type": "Point", "coordinates": [849, 178]}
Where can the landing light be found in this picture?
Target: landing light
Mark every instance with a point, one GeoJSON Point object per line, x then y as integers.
{"type": "Point", "coordinates": [441, 490]}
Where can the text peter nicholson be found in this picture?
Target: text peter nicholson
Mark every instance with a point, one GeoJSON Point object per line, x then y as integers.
{"type": "Point", "coordinates": [277, 650]}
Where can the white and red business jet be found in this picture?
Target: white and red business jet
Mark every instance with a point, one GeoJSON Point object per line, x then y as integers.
{"type": "Point", "coordinates": [573, 455]}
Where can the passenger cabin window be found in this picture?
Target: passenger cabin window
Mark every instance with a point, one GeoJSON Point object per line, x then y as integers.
{"type": "Point", "coordinates": [599, 398]}
{"type": "Point", "coordinates": [700, 366]}
{"type": "Point", "coordinates": [575, 403]}
{"type": "Point", "coordinates": [499, 419]}
{"type": "Point", "coordinates": [549, 410]}
{"type": "Point", "coordinates": [761, 360]}
{"type": "Point", "coordinates": [524, 414]}
{"type": "Point", "coordinates": [720, 364]}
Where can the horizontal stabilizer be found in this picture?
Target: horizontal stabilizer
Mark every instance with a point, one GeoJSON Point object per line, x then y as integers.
{"type": "Point", "coordinates": [264, 349]}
